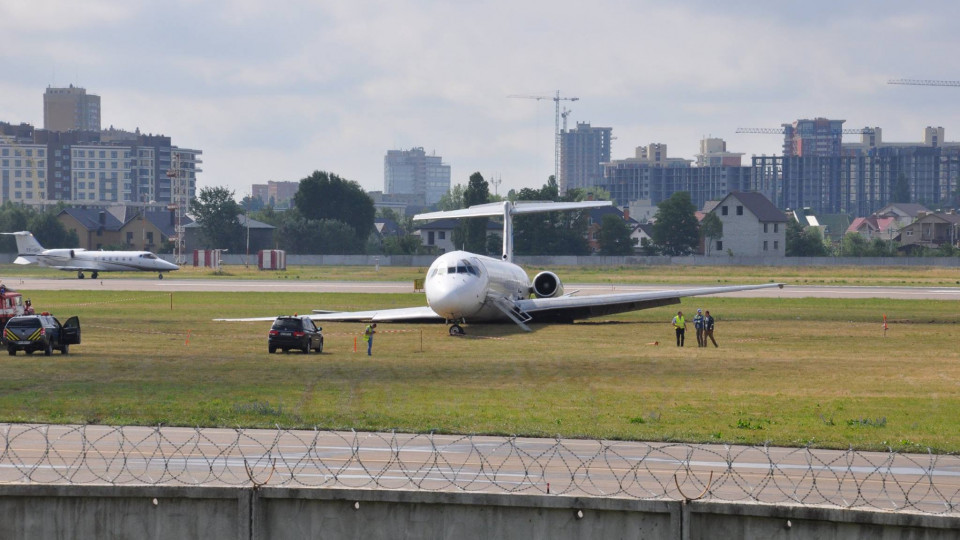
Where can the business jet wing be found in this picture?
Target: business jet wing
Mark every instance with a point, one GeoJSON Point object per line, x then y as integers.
{"type": "Point", "coordinates": [569, 308]}
{"type": "Point", "coordinates": [411, 314]}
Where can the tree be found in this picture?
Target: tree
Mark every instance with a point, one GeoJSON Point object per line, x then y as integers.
{"type": "Point", "coordinates": [676, 230]}
{"type": "Point", "coordinates": [452, 199]}
{"type": "Point", "coordinates": [216, 213]}
{"type": "Point", "coordinates": [297, 234]}
{"type": "Point", "coordinates": [325, 195]}
{"type": "Point", "coordinates": [50, 232]}
{"type": "Point", "coordinates": [801, 242]}
{"type": "Point", "coordinates": [551, 233]}
{"type": "Point", "coordinates": [711, 228]}
{"type": "Point", "coordinates": [475, 229]}
{"type": "Point", "coordinates": [900, 190]}
{"type": "Point", "coordinates": [615, 236]}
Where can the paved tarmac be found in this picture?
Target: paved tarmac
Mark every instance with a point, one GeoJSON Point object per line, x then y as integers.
{"type": "Point", "coordinates": [237, 285]}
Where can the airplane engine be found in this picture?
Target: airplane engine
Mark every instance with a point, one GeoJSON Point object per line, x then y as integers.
{"type": "Point", "coordinates": [547, 285]}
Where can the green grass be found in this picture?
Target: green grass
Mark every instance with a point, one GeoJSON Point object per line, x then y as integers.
{"type": "Point", "coordinates": [788, 372]}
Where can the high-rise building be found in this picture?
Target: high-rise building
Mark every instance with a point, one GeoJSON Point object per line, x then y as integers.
{"type": "Point", "coordinates": [70, 109]}
{"type": "Point", "coordinates": [817, 137]}
{"type": "Point", "coordinates": [40, 166]}
{"type": "Point", "coordinates": [276, 194]}
{"type": "Point", "coordinates": [413, 172]}
{"type": "Point", "coordinates": [583, 151]}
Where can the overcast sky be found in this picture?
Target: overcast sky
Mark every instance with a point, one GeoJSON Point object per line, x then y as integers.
{"type": "Point", "coordinates": [276, 90]}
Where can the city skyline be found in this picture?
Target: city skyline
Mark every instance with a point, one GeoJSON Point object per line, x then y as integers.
{"type": "Point", "coordinates": [274, 94]}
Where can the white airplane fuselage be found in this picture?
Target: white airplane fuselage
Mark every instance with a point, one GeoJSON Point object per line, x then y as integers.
{"type": "Point", "coordinates": [461, 294]}
{"type": "Point", "coordinates": [103, 261]}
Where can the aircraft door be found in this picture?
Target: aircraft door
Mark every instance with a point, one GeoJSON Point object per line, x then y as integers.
{"type": "Point", "coordinates": [71, 331]}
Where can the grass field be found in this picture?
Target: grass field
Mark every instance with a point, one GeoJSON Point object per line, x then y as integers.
{"type": "Point", "coordinates": [788, 372]}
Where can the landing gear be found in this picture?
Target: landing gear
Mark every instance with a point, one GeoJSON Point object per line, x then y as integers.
{"type": "Point", "coordinates": [160, 276]}
{"type": "Point", "coordinates": [94, 275]}
{"type": "Point", "coordinates": [456, 330]}
{"type": "Point", "coordinates": [79, 275]}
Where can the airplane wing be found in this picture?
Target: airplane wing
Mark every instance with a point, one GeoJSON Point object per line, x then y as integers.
{"type": "Point", "coordinates": [569, 308]}
{"type": "Point", "coordinates": [411, 314]}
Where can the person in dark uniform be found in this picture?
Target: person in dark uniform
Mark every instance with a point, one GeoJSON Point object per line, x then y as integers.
{"type": "Point", "coordinates": [708, 327]}
{"type": "Point", "coordinates": [698, 325]}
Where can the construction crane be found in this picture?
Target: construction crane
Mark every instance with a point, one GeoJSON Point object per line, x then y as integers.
{"type": "Point", "coordinates": [556, 126]}
{"type": "Point", "coordinates": [923, 82]}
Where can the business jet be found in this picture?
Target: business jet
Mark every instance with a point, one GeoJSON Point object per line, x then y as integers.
{"type": "Point", "coordinates": [79, 260]}
{"type": "Point", "coordinates": [463, 287]}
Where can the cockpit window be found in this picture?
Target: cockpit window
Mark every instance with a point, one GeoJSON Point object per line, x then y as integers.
{"type": "Point", "coordinates": [148, 256]}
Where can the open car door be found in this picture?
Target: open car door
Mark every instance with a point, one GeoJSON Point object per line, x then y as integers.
{"type": "Point", "coordinates": [71, 331]}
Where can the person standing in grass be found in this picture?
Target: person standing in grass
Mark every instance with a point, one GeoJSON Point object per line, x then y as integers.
{"type": "Point", "coordinates": [368, 333]}
{"type": "Point", "coordinates": [708, 328]}
{"type": "Point", "coordinates": [698, 325]}
{"type": "Point", "coordinates": [681, 326]}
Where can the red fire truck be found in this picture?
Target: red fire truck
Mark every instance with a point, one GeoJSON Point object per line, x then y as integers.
{"type": "Point", "coordinates": [11, 304]}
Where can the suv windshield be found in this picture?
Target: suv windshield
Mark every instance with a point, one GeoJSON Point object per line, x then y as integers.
{"type": "Point", "coordinates": [23, 323]}
{"type": "Point", "coordinates": [287, 324]}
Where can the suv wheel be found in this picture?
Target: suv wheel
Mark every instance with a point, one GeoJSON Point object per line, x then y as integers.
{"type": "Point", "coordinates": [320, 347]}
{"type": "Point", "coordinates": [65, 349]}
{"type": "Point", "coordinates": [306, 347]}
{"type": "Point", "coordinates": [48, 350]}
{"type": "Point", "coordinates": [272, 349]}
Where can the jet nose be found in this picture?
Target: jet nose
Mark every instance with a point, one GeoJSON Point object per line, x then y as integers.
{"type": "Point", "coordinates": [455, 297]}
{"type": "Point", "coordinates": [167, 265]}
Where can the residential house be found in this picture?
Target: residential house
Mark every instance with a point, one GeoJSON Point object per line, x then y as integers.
{"type": "Point", "coordinates": [260, 235]}
{"type": "Point", "coordinates": [95, 228]}
{"type": "Point", "coordinates": [931, 231]}
{"type": "Point", "coordinates": [871, 227]}
{"type": "Point", "coordinates": [752, 226]}
{"type": "Point", "coordinates": [438, 234]}
{"type": "Point", "coordinates": [595, 223]}
{"type": "Point", "coordinates": [149, 230]}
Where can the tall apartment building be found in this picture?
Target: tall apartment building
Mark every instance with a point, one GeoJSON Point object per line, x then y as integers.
{"type": "Point", "coordinates": [413, 172]}
{"type": "Point", "coordinates": [70, 109]}
{"type": "Point", "coordinates": [583, 151]}
{"type": "Point", "coordinates": [817, 137]}
{"type": "Point", "coordinates": [276, 194]}
{"type": "Point", "coordinates": [653, 176]}
{"type": "Point", "coordinates": [861, 177]}
{"type": "Point", "coordinates": [90, 168]}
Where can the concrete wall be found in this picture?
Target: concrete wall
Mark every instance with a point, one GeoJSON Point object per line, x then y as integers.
{"type": "Point", "coordinates": [42, 511]}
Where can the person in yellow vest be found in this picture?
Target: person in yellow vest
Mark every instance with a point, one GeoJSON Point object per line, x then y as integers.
{"type": "Point", "coordinates": [681, 325]}
{"type": "Point", "coordinates": [368, 333]}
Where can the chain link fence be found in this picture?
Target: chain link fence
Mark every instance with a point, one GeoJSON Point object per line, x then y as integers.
{"type": "Point", "coordinates": [892, 481]}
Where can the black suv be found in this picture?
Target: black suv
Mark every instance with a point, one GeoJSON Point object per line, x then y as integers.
{"type": "Point", "coordinates": [42, 332]}
{"type": "Point", "coordinates": [294, 333]}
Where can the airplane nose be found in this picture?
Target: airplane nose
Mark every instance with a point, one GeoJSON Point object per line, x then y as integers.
{"type": "Point", "coordinates": [454, 297]}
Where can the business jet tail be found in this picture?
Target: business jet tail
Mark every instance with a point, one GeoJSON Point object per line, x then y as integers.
{"type": "Point", "coordinates": [27, 247]}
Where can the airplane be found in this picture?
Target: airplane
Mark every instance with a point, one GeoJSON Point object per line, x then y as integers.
{"type": "Point", "coordinates": [79, 260]}
{"type": "Point", "coordinates": [463, 287]}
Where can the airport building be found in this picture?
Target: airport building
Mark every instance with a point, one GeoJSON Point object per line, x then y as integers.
{"type": "Point", "coordinates": [413, 172]}
{"type": "Point", "coordinates": [583, 151]}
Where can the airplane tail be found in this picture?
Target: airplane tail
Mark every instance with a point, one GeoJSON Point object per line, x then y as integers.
{"type": "Point", "coordinates": [27, 247]}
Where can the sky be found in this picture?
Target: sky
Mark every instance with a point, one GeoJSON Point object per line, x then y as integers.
{"type": "Point", "coordinates": [277, 90]}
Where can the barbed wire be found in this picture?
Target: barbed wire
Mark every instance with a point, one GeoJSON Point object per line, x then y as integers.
{"type": "Point", "coordinates": [890, 481]}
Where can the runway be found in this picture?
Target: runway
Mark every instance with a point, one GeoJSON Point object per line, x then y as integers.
{"type": "Point", "coordinates": [570, 467]}
{"type": "Point", "coordinates": [237, 285]}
